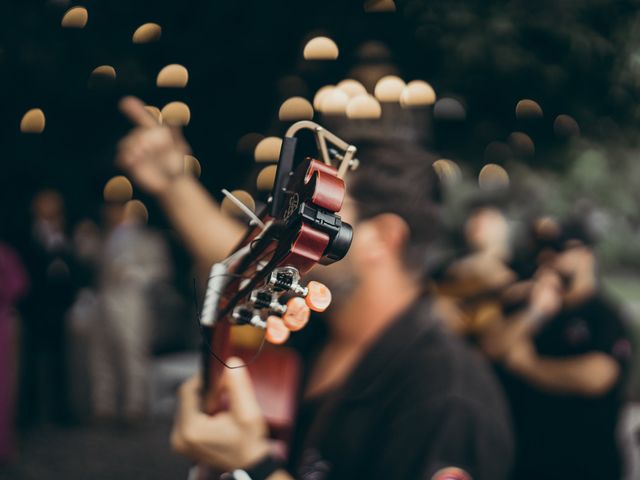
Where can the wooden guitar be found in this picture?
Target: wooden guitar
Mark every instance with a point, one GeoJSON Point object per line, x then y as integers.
{"type": "Point", "coordinates": [299, 228]}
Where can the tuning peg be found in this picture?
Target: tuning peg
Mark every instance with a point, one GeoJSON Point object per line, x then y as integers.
{"type": "Point", "coordinates": [297, 314]}
{"type": "Point", "coordinates": [318, 296]}
{"type": "Point", "coordinates": [277, 332]}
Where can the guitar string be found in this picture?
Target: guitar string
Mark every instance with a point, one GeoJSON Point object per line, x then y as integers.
{"type": "Point", "coordinates": [204, 337]}
{"type": "Point", "coordinates": [207, 344]}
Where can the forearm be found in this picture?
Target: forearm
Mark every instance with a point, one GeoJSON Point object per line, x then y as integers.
{"type": "Point", "coordinates": [591, 374]}
{"type": "Point", "coordinates": [208, 233]}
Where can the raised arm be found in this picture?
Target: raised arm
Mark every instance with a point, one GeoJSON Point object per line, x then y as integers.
{"type": "Point", "coordinates": [153, 156]}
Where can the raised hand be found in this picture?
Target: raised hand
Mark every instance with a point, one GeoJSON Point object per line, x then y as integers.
{"type": "Point", "coordinates": [152, 154]}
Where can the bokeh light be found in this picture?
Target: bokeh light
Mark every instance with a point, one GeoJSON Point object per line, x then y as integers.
{"type": "Point", "coordinates": [33, 121]}
{"type": "Point", "coordinates": [389, 88]}
{"type": "Point", "coordinates": [118, 189]}
{"type": "Point", "coordinates": [268, 150]}
{"type": "Point", "coordinates": [135, 211]}
{"type": "Point", "coordinates": [320, 48]}
{"type": "Point", "coordinates": [417, 93]}
{"type": "Point", "coordinates": [149, 32]}
{"type": "Point", "coordinates": [266, 177]}
{"type": "Point", "coordinates": [334, 102]}
{"type": "Point", "coordinates": [295, 108]}
{"type": "Point", "coordinates": [173, 76]}
{"type": "Point", "coordinates": [448, 171]}
{"type": "Point", "coordinates": [566, 126]}
{"type": "Point", "coordinates": [319, 96]}
{"type": "Point", "coordinates": [176, 114]}
{"type": "Point", "coordinates": [155, 112]}
{"type": "Point", "coordinates": [352, 87]}
{"type": "Point", "coordinates": [528, 108]}
{"type": "Point", "coordinates": [448, 108]}
{"type": "Point", "coordinates": [364, 106]}
{"type": "Point", "coordinates": [76, 17]}
{"type": "Point", "coordinates": [493, 177]}
{"type": "Point", "coordinates": [372, 6]}
{"type": "Point", "coordinates": [522, 145]}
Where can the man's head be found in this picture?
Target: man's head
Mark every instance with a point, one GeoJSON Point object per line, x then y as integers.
{"type": "Point", "coordinates": [393, 204]}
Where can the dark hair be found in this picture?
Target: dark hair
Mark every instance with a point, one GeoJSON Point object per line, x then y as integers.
{"type": "Point", "coordinates": [400, 179]}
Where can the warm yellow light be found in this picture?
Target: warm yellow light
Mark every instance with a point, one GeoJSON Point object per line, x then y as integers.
{"type": "Point", "coordinates": [231, 208]}
{"type": "Point", "coordinates": [352, 87]}
{"type": "Point", "coordinates": [320, 94]}
{"type": "Point", "coordinates": [528, 108]}
{"type": "Point", "coordinates": [389, 88]}
{"type": "Point", "coordinates": [134, 210]}
{"type": "Point", "coordinates": [155, 112]}
{"type": "Point", "coordinates": [334, 102]}
{"type": "Point", "coordinates": [522, 144]}
{"type": "Point", "coordinates": [173, 76]}
{"type": "Point", "coordinates": [320, 48]}
{"type": "Point", "coordinates": [295, 108]}
{"type": "Point", "coordinates": [417, 93]}
{"type": "Point", "coordinates": [447, 170]}
{"type": "Point", "coordinates": [176, 114]}
{"type": "Point", "coordinates": [372, 6]}
{"type": "Point", "coordinates": [75, 17]}
{"type": "Point", "coordinates": [268, 150]}
{"type": "Point", "coordinates": [364, 107]}
{"type": "Point", "coordinates": [149, 32]}
{"type": "Point", "coordinates": [493, 177]}
{"type": "Point", "coordinates": [118, 189]}
{"type": "Point", "coordinates": [266, 177]}
{"type": "Point", "coordinates": [566, 126]}
{"type": "Point", "coordinates": [192, 166]}
{"type": "Point", "coordinates": [33, 121]}
{"type": "Point", "coordinates": [104, 71]}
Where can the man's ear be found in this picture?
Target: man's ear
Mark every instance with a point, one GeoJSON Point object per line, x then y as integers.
{"type": "Point", "coordinates": [391, 231]}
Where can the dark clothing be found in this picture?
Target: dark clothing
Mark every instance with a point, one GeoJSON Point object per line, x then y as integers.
{"type": "Point", "coordinates": [570, 436]}
{"type": "Point", "coordinates": [417, 402]}
{"type": "Point", "coordinates": [43, 386]}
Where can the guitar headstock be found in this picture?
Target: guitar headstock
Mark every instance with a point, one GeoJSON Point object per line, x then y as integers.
{"type": "Point", "coordinates": [300, 228]}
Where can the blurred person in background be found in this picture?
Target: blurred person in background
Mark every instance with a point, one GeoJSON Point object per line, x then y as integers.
{"type": "Point", "coordinates": [49, 262]}
{"type": "Point", "coordinates": [134, 260]}
{"type": "Point", "coordinates": [13, 285]}
{"type": "Point", "coordinates": [389, 393]}
{"type": "Point", "coordinates": [470, 288]}
{"type": "Point", "coordinates": [563, 358]}
{"type": "Point", "coordinates": [83, 316]}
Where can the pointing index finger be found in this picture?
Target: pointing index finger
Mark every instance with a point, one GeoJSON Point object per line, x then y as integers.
{"type": "Point", "coordinates": [134, 110]}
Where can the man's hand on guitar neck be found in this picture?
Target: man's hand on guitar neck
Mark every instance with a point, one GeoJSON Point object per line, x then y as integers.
{"type": "Point", "coordinates": [153, 156]}
{"type": "Point", "coordinates": [230, 440]}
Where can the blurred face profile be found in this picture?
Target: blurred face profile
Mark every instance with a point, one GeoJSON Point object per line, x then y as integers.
{"type": "Point", "coordinates": [486, 229]}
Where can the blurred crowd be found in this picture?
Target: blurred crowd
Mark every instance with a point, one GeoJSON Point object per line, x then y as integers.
{"type": "Point", "coordinates": [80, 310]}
{"type": "Point", "coordinates": [83, 310]}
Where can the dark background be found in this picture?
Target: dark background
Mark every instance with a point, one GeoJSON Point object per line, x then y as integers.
{"type": "Point", "coordinates": [572, 57]}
